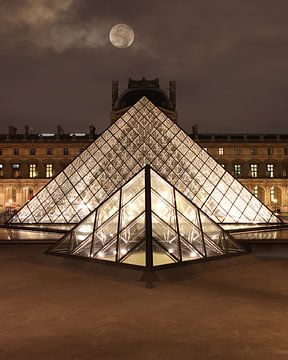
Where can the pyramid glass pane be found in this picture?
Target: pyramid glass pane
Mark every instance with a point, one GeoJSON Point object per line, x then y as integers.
{"type": "Point", "coordinates": [160, 255]}
{"type": "Point", "coordinates": [131, 236]}
{"type": "Point", "coordinates": [143, 135]}
{"type": "Point", "coordinates": [165, 236]}
{"type": "Point", "coordinates": [105, 233]}
{"type": "Point", "coordinates": [188, 252]}
{"type": "Point", "coordinates": [137, 256]}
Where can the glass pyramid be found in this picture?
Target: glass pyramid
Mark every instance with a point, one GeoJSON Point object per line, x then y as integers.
{"type": "Point", "coordinates": [149, 223]}
{"type": "Point", "coordinates": [143, 135]}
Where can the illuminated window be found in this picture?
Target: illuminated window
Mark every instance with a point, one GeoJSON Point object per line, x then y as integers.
{"type": "Point", "coordinates": [254, 151]}
{"type": "Point", "coordinates": [270, 170]}
{"type": "Point", "coordinates": [237, 170]}
{"type": "Point", "coordinates": [253, 169]}
{"type": "Point", "coordinates": [221, 151]}
{"type": "Point", "coordinates": [223, 165]}
{"type": "Point", "coordinates": [16, 151]}
{"type": "Point", "coordinates": [32, 151]}
{"type": "Point", "coordinates": [49, 170]}
{"type": "Point", "coordinates": [49, 151]}
{"type": "Point", "coordinates": [272, 194]}
{"type": "Point", "coordinates": [1, 170]}
{"type": "Point", "coordinates": [270, 151]}
{"type": "Point", "coordinates": [65, 151]}
{"type": "Point", "coordinates": [255, 191]}
{"type": "Point", "coordinates": [15, 170]}
{"type": "Point", "coordinates": [32, 170]}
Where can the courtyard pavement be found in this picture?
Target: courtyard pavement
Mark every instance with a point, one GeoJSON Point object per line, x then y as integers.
{"type": "Point", "coordinates": [237, 312]}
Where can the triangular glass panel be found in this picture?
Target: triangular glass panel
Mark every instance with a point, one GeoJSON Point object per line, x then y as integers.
{"type": "Point", "coordinates": [160, 255]}
{"type": "Point", "coordinates": [137, 256]}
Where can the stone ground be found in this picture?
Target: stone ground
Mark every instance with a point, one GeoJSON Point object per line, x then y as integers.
{"type": "Point", "coordinates": [240, 312]}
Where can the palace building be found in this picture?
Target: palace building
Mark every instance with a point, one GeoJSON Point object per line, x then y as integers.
{"type": "Point", "coordinates": [28, 161]}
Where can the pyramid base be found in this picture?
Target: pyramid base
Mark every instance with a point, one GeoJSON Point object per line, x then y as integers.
{"type": "Point", "coordinates": [149, 277]}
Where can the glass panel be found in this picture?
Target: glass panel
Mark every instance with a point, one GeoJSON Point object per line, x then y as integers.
{"type": "Point", "coordinates": [107, 209]}
{"type": "Point", "coordinates": [132, 209]}
{"type": "Point", "coordinates": [63, 245]}
{"type": "Point", "coordinates": [137, 256]}
{"type": "Point", "coordinates": [162, 188]}
{"type": "Point", "coordinates": [160, 256]}
{"type": "Point", "coordinates": [165, 236]}
{"type": "Point", "coordinates": [105, 233]}
{"type": "Point", "coordinates": [132, 235]}
{"type": "Point", "coordinates": [133, 187]}
{"type": "Point", "coordinates": [210, 229]}
{"type": "Point", "coordinates": [191, 233]}
{"type": "Point", "coordinates": [85, 227]}
{"type": "Point", "coordinates": [187, 209]}
{"type": "Point", "coordinates": [108, 252]}
{"type": "Point", "coordinates": [84, 249]}
{"type": "Point", "coordinates": [163, 210]}
{"type": "Point", "coordinates": [188, 252]}
{"type": "Point", "coordinates": [211, 248]}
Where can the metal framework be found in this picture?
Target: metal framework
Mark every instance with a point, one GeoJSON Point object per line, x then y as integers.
{"type": "Point", "coordinates": [143, 135]}
{"type": "Point", "coordinates": [147, 223]}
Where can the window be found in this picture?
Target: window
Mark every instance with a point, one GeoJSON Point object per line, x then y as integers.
{"type": "Point", "coordinates": [32, 151]}
{"type": "Point", "coordinates": [15, 170]}
{"type": "Point", "coordinates": [254, 151]}
{"type": "Point", "coordinates": [16, 151]}
{"type": "Point", "coordinates": [270, 151]}
{"type": "Point", "coordinates": [237, 151]}
{"type": "Point", "coordinates": [237, 170]}
{"type": "Point", "coordinates": [1, 170]}
{"type": "Point", "coordinates": [49, 170]}
{"type": "Point", "coordinates": [65, 151]}
{"type": "Point", "coordinates": [270, 170]}
{"type": "Point", "coordinates": [286, 151]}
{"type": "Point", "coordinates": [1, 151]}
{"type": "Point", "coordinates": [32, 170]}
{"type": "Point", "coordinates": [223, 165]}
{"type": "Point", "coordinates": [221, 151]}
{"type": "Point", "coordinates": [272, 195]}
{"type": "Point", "coordinates": [255, 190]}
{"type": "Point", "coordinates": [49, 151]}
{"type": "Point", "coordinates": [253, 170]}
{"type": "Point", "coordinates": [284, 170]}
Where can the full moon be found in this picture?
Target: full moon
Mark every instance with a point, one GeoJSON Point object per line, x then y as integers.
{"type": "Point", "coordinates": [121, 35]}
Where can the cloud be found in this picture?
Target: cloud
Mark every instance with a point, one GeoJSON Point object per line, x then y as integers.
{"type": "Point", "coordinates": [50, 24]}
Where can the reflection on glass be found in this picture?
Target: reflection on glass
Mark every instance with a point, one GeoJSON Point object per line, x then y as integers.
{"type": "Point", "coordinates": [160, 256]}
{"type": "Point", "coordinates": [105, 233]}
{"type": "Point", "coordinates": [108, 252]}
{"type": "Point", "coordinates": [109, 208]}
{"type": "Point", "coordinates": [132, 209]}
{"type": "Point", "coordinates": [163, 210]}
{"type": "Point", "coordinates": [186, 208]}
{"type": "Point", "coordinates": [162, 187]}
{"type": "Point", "coordinates": [132, 235]}
{"type": "Point", "coordinates": [191, 233]}
{"type": "Point", "coordinates": [133, 187]}
{"type": "Point", "coordinates": [137, 256]}
{"type": "Point", "coordinates": [165, 236]}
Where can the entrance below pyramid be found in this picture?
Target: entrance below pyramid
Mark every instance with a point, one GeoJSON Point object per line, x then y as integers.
{"type": "Point", "coordinates": [147, 223]}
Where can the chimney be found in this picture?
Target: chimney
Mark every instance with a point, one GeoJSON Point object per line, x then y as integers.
{"type": "Point", "coordinates": [172, 88]}
{"type": "Point", "coordinates": [92, 131]}
{"type": "Point", "coordinates": [27, 130]}
{"type": "Point", "coordinates": [60, 131]}
{"type": "Point", "coordinates": [12, 130]}
{"type": "Point", "coordinates": [114, 93]}
{"type": "Point", "coordinates": [195, 129]}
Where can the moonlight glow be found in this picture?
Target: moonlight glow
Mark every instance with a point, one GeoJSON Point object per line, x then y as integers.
{"type": "Point", "coordinates": [121, 35]}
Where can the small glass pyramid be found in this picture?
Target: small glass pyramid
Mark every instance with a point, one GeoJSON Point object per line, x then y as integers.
{"type": "Point", "coordinates": [143, 135]}
{"type": "Point", "coordinates": [148, 223]}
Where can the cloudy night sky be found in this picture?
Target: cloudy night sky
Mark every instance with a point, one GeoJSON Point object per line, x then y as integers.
{"type": "Point", "coordinates": [229, 59]}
